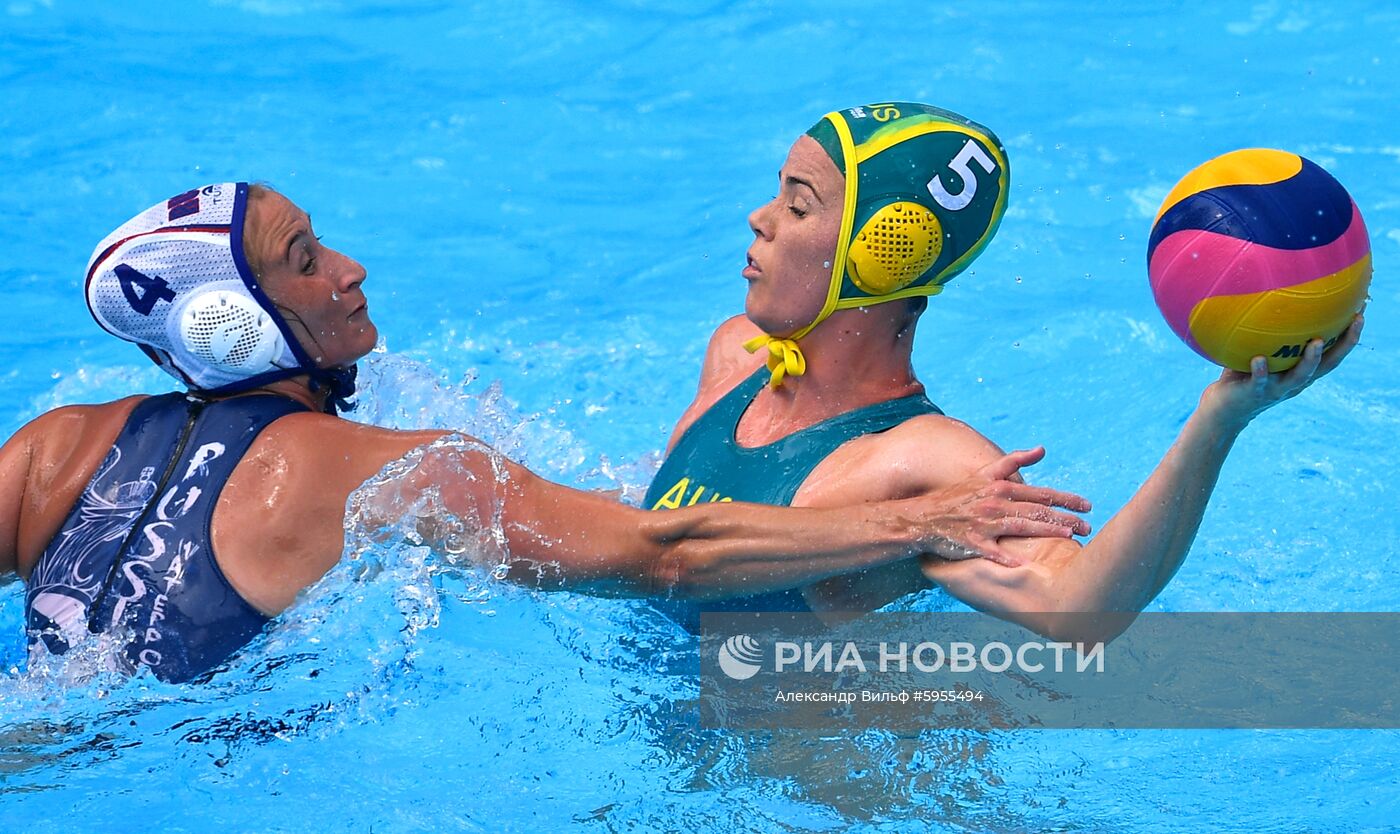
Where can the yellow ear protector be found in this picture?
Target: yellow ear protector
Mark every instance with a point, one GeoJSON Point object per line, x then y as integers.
{"type": "Point", "coordinates": [894, 247]}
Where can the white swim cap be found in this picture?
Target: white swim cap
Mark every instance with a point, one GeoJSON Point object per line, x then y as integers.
{"type": "Point", "coordinates": [173, 280]}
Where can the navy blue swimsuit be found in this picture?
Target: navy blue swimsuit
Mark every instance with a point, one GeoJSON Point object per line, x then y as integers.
{"type": "Point", "coordinates": [135, 552]}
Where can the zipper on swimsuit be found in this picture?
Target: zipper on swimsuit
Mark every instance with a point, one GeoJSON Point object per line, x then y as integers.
{"type": "Point", "coordinates": [195, 407]}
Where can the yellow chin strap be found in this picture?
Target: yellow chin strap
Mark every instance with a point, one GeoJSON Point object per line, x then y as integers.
{"type": "Point", "coordinates": [784, 357]}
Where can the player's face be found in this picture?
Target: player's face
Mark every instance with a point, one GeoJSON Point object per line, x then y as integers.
{"type": "Point", "coordinates": [789, 262]}
{"type": "Point", "coordinates": [317, 289]}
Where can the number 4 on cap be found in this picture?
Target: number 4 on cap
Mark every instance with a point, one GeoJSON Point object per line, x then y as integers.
{"type": "Point", "coordinates": [142, 291]}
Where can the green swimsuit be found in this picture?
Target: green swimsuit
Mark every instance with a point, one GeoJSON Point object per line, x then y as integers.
{"type": "Point", "coordinates": [708, 465]}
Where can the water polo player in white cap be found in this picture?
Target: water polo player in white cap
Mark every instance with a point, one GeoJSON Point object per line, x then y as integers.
{"type": "Point", "coordinates": [188, 520]}
{"type": "Point", "coordinates": [878, 207]}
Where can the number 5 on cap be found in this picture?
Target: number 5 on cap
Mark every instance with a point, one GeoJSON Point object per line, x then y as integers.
{"type": "Point", "coordinates": [960, 166]}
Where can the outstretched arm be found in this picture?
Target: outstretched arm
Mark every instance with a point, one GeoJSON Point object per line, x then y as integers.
{"type": "Point", "coordinates": [471, 501]}
{"type": "Point", "coordinates": [1139, 550]}
{"type": "Point", "coordinates": [721, 550]}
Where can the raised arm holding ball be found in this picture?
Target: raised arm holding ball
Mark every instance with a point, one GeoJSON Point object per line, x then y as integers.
{"type": "Point", "coordinates": [1260, 261]}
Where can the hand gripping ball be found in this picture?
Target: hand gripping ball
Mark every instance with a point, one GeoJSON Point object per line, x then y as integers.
{"type": "Point", "coordinates": [1256, 253]}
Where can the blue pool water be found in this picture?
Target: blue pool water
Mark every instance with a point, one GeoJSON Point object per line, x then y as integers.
{"type": "Point", "coordinates": [550, 201]}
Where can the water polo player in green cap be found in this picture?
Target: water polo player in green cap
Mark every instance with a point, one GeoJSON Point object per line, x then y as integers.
{"type": "Point", "coordinates": [879, 207]}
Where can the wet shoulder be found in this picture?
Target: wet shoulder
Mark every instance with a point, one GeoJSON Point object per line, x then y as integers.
{"type": "Point", "coordinates": [74, 437]}
{"type": "Point", "coordinates": [46, 466]}
{"type": "Point", "coordinates": [279, 524]}
{"type": "Point", "coordinates": [726, 364]}
{"type": "Point", "coordinates": [924, 453]}
{"type": "Point", "coordinates": [327, 454]}
{"type": "Point", "coordinates": [725, 355]}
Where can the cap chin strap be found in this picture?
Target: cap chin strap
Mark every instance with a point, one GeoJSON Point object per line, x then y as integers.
{"type": "Point", "coordinates": [784, 357]}
{"type": "Point", "coordinates": [339, 385]}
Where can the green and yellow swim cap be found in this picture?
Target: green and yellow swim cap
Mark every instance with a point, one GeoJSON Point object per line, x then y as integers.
{"type": "Point", "coordinates": [925, 192]}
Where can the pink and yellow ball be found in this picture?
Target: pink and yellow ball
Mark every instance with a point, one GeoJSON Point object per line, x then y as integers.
{"type": "Point", "coordinates": [1255, 253]}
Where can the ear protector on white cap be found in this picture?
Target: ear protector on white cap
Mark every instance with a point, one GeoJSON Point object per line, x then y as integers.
{"type": "Point", "coordinates": [173, 280]}
{"type": "Point", "coordinates": [228, 331]}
